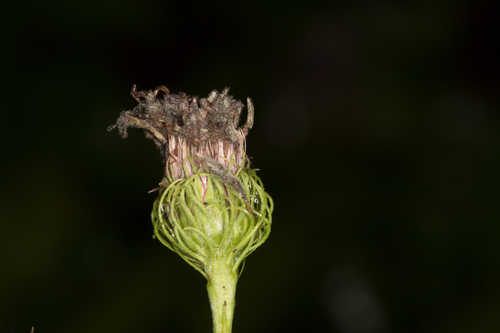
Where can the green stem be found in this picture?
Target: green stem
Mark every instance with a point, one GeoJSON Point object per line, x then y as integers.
{"type": "Point", "coordinates": [221, 288]}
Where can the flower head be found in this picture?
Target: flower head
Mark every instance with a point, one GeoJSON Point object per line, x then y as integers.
{"type": "Point", "coordinates": [210, 203]}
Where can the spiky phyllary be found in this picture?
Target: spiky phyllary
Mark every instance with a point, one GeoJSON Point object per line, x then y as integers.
{"type": "Point", "coordinates": [211, 209]}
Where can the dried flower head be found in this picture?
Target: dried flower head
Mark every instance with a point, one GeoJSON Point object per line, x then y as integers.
{"type": "Point", "coordinates": [210, 204]}
{"type": "Point", "coordinates": [188, 132]}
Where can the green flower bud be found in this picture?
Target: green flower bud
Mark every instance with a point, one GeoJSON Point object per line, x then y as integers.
{"type": "Point", "coordinates": [212, 209]}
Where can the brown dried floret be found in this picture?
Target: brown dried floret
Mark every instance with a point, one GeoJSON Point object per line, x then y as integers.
{"type": "Point", "coordinates": [162, 115]}
{"type": "Point", "coordinates": [192, 134]}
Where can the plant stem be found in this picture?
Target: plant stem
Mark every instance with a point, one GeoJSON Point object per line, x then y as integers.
{"type": "Point", "coordinates": [221, 288]}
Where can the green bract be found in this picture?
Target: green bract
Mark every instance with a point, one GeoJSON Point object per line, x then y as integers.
{"type": "Point", "coordinates": [201, 218]}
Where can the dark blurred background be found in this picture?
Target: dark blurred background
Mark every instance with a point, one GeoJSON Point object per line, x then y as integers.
{"type": "Point", "coordinates": [376, 134]}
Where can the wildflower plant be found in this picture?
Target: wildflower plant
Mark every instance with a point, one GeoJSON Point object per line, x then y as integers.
{"type": "Point", "coordinates": [211, 209]}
